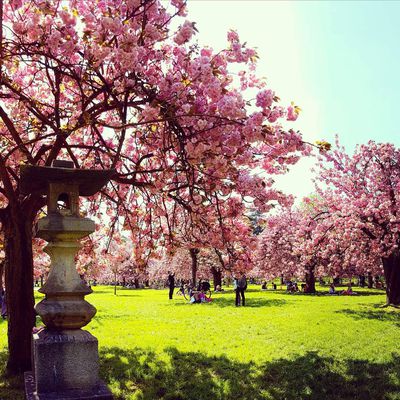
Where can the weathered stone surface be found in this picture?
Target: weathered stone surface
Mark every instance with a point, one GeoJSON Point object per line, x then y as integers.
{"type": "Point", "coordinates": [60, 312]}
{"type": "Point", "coordinates": [35, 179]}
{"type": "Point", "coordinates": [64, 306]}
{"type": "Point", "coordinates": [65, 360]}
{"type": "Point", "coordinates": [99, 392]}
{"type": "Point", "coordinates": [68, 228]}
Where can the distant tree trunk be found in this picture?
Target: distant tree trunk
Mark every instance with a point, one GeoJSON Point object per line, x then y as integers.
{"type": "Point", "coordinates": [370, 280]}
{"type": "Point", "coordinates": [19, 289]}
{"type": "Point", "coordinates": [310, 280]}
{"type": "Point", "coordinates": [217, 277]}
{"type": "Point", "coordinates": [136, 283]}
{"type": "Point", "coordinates": [391, 268]}
{"type": "Point", "coordinates": [193, 253]}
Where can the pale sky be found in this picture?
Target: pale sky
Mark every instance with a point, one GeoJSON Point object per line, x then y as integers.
{"type": "Point", "coordinates": [338, 60]}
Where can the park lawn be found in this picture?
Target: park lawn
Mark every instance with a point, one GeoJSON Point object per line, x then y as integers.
{"type": "Point", "coordinates": [280, 346]}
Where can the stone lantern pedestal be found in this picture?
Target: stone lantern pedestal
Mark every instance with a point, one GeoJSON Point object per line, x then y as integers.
{"type": "Point", "coordinates": [64, 357]}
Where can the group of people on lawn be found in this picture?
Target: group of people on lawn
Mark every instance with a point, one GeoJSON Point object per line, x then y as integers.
{"type": "Point", "coordinates": [199, 295]}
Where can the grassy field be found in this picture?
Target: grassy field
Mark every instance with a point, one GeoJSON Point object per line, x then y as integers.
{"type": "Point", "coordinates": [280, 346]}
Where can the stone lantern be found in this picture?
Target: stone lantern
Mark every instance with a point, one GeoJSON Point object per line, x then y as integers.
{"type": "Point", "coordinates": [64, 357]}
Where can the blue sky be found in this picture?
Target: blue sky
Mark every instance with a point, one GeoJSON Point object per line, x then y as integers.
{"type": "Point", "coordinates": [353, 68]}
{"type": "Point", "coordinates": [338, 60]}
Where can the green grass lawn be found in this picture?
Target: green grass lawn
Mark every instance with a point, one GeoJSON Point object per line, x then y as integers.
{"type": "Point", "coordinates": [279, 346]}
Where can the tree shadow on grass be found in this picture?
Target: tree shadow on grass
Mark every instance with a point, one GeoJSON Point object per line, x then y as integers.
{"type": "Point", "coordinates": [380, 315]}
{"type": "Point", "coordinates": [10, 388]}
{"type": "Point", "coordinates": [194, 376]}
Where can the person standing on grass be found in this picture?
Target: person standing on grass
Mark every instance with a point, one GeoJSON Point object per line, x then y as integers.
{"type": "Point", "coordinates": [171, 283]}
{"type": "Point", "coordinates": [241, 286]}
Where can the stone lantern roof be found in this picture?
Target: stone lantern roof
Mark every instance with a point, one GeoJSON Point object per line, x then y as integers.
{"type": "Point", "coordinates": [36, 179]}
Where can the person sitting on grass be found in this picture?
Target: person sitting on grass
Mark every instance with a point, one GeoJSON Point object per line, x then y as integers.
{"type": "Point", "coordinates": [332, 289]}
{"type": "Point", "coordinates": [199, 297]}
{"type": "Point", "coordinates": [264, 285]}
{"type": "Point", "coordinates": [194, 297]}
{"type": "Point", "coordinates": [349, 291]}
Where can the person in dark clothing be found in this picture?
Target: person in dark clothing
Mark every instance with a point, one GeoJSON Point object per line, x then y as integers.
{"type": "Point", "coordinates": [171, 283]}
{"type": "Point", "coordinates": [205, 286]}
{"type": "Point", "coordinates": [241, 287]}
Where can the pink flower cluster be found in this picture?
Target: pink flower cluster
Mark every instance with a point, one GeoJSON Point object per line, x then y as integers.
{"type": "Point", "coordinates": [185, 33]}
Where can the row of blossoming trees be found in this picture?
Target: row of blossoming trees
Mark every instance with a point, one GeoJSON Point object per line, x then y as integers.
{"type": "Point", "coordinates": [349, 227]}
{"type": "Point", "coordinates": [109, 84]}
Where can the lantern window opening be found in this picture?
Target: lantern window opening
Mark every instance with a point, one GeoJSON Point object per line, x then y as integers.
{"type": "Point", "coordinates": [63, 202]}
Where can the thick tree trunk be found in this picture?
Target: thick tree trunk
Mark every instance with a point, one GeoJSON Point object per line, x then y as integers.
{"type": "Point", "coordinates": [391, 268]}
{"type": "Point", "coordinates": [217, 277]}
{"type": "Point", "coordinates": [1, 276]}
{"type": "Point", "coordinates": [193, 253]}
{"type": "Point", "coordinates": [19, 290]}
{"type": "Point", "coordinates": [310, 281]}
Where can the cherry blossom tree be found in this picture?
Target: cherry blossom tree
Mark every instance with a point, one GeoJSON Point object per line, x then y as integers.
{"type": "Point", "coordinates": [276, 253]}
{"type": "Point", "coordinates": [314, 239]}
{"type": "Point", "coordinates": [110, 85]}
{"type": "Point", "coordinates": [362, 191]}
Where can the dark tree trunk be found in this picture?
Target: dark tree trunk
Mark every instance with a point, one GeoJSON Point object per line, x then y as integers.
{"type": "Point", "coordinates": [310, 281]}
{"type": "Point", "coordinates": [370, 280]}
{"type": "Point", "coordinates": [391, 268]}
{"type": "Point", "coordinates": [217, 277]}
{"type": "Point", "coordinates": [193, 253]}
{"type": "Point", "coordinates": [1, 276]}
{"type": "Point", "coordinates": [19, 289]}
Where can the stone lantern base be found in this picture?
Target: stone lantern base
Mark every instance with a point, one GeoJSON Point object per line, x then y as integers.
{"type": "Point", "coordinates": [65, 367]}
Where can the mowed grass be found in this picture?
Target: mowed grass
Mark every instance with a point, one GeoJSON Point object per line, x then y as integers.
{"type": "Point", "coordinates": [280, 346]}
